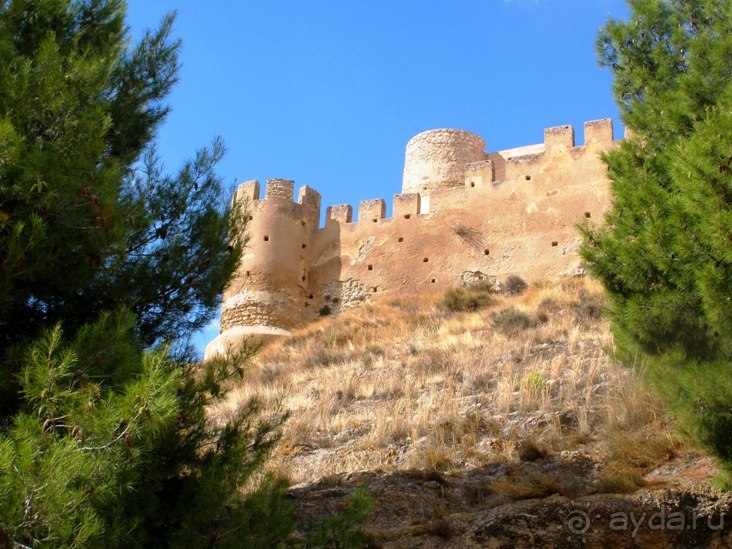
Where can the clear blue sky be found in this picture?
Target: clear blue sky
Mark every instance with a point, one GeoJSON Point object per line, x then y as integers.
{"type": "Point", "coordinates": [328, 92]}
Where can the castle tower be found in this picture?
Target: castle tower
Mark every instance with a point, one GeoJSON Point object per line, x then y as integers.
{"type": "Point", "coordinates": [267, 291]}
{"type": "Point", "coordinates": [437, 159]}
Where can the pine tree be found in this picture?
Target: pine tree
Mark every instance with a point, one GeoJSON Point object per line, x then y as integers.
{"type": "Point", "coordinates": [664, 254]}
{"type": "Point", "coordinates": [107, 263]}
{"type": "Point", "coordinates": [87, 218]}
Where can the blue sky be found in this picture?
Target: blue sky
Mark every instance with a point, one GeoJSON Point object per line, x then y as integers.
{"type": "Point", "coordinates": [328, 92]}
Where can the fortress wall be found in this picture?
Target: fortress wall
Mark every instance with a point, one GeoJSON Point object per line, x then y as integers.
{"type": "Point", "coordinates": [520, 225]}
{"type": "Point", "coordinates": [478, 174]}
{"type": "Point", "coordinates": [513, 212]}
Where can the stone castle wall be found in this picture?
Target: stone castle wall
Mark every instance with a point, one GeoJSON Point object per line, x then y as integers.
{"type": "Point", "coordinates": [463, 215]}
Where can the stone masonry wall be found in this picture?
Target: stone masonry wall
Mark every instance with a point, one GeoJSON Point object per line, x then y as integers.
{"type": "Point", "coordinates": [463, 216]}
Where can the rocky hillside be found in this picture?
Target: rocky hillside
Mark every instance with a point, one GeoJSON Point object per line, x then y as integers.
{"type": "Point", "coordinates": [505, 426]}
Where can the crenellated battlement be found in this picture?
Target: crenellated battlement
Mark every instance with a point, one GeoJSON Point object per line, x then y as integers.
{"type": "Point", "coordinates": [463, 214]}
{"type": "Point", "coordinates": [492, 169]}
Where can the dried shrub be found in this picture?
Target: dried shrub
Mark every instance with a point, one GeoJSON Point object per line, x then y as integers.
{"type": "Point", "coordinates": [434, 458]}
{"type": "Point", "coordinates": [620, 479]}
{"type": "Point", "coordinates": [470, 298]}
{"type": "Point", "coordinates": [529, 450]}
{"type": "Point", "coordinates": [589, 307]}
{"type": "Point", "coordinates": [549, 305]}
{"type": "Point", "coordinates": [324, 310]}
{"type": "Point", "coordinates": [511, 321]}
{"type": "Point", "coordinates": [470, 235]}
{"type": "Point", "coordinates": [534, 485]}
{"type": "Point", "coordinates": [514, 285]}
{"type": "Point", "coordinates": [641, 451]}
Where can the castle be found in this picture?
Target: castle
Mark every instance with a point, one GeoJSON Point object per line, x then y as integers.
{"type": "Point", "coordinates": [463, 215]}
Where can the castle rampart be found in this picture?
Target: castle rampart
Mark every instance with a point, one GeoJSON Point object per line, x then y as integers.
{"type": "Point", "coordinates": [463, 215]}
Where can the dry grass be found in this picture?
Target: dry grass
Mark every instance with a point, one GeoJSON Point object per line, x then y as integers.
{"type": "Point", "coordinates": [405, 383]}
{"type": "Point", "coordinates": [535, 485]}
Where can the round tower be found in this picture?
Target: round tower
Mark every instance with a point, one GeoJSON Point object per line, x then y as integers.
{"type": "Point", "coordinates": [437, 159]}
{"type": "Point", "coordinates": [267, 292]}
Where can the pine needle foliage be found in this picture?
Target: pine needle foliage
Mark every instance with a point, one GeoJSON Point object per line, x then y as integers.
{"type": "Point", "coordinates": [107, 265]}
{"type": "Point", "coordinates": [664, 253]}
